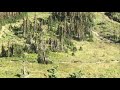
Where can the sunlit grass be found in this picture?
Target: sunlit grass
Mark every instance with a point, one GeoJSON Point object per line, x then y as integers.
{"type": "Point", "coordinates": [96, 60]}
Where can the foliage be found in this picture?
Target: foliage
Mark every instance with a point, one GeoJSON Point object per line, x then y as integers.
{"type": "Point", "coordinates": [8, 17]}
{"type": "Point", "coordinates": [52, 72]}
{"type": "Point", "coordinates": [80, 49]}
{"type": "Point", "coordinates": [95, 60]}
{"type": "Point", "coordinates": [114, 15]}
{"type": "Point", "coordinates": [3, 52]}
{"type": "Point", "coordinates": [76, 75]}
{"type": "Point", "coordinates": [18, 50]}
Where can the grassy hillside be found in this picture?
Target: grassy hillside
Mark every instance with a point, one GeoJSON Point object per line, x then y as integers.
{"type": "Point", "coordinates": [96, 59]}
{"type": "Point", "coordinates": [114, 15]}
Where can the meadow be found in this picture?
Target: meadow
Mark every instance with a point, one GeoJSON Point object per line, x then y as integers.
{"type": "Point", "coordinates": [96, 59]}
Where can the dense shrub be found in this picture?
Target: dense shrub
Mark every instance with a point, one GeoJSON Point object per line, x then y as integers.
{"type": "Point", "coordinates": [52, 72]}
{"type": "Point", "coordinates": [18, 50]}
{"type": "Point", "coordinates": [3, 52]}
{"type": "Point", "coordinates": [76, 75]}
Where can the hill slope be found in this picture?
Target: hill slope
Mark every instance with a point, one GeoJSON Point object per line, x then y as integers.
{"type": "Point", "coordinates": [99, 58]}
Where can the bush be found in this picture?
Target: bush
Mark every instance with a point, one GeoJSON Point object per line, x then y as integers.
{"type": "Point", "coordinates": [90, 40]}
{"type": "Point", "coordinates": [80, 49]}
{"type": "Point", "coordinates": [33, 48]}
{"type": "Point", "coordinates": [30, 48]}
{"type": "Point", "coordinates": [26, 48]}
{"type": "Point", "coordinates": [73, 54]}
{"type": "Point", "coordinates": [74, 49]}
{"type": "Point", "coordinates": [4, 52]}
{"type": "Point", "coordinates": [11, 19]}
{"type": "Point", "coordinates": [44, 60]}
{"type": "Point", "coordinates": [18, 50]}
{"type": "Point", "coordinates": [76, 75]}
{"type": "Point", "coordinates": [40, 60]}
{"type": "Point", "coordinates": [66, 50]}
{"type": "Point", "coordinates": [52, 72]}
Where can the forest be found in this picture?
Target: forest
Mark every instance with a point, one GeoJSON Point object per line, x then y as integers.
{"type": "Point", "coordinates": [59, 44]}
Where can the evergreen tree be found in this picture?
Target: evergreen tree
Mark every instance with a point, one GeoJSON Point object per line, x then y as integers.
{"type": "Point", "coordinates": [3, 53]}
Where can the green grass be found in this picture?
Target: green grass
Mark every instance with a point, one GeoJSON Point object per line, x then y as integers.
{"type": "Point", "coordinates": [8, 35]}
{"type": "Point", "coordinates": [43, 15]}
{"type": "Point", "coordinates": [97, 59]}
{"type": "Point", "coordinates": [90, 70]}
{"type": "Point", "coordinates": [105, 26]}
